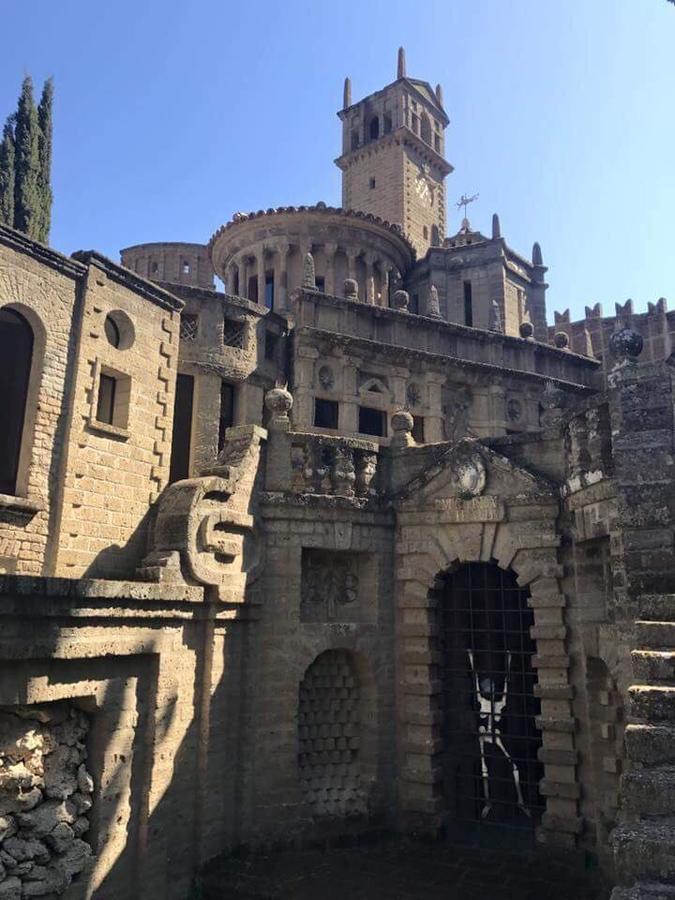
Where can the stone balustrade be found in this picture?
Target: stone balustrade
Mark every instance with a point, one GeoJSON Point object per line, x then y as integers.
{"type": "Point", "coordinates": [342, 467]}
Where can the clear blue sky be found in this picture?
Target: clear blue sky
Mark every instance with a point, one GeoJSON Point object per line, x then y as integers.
{"type": "Point", "coordinates": [171, 116]}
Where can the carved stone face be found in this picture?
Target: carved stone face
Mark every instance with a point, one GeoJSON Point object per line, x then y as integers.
{"type": "Point", "coordinates": [470, 476]}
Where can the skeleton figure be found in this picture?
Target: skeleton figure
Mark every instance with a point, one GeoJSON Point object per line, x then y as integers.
{"type": "Point", "coordinates": [491, 705]}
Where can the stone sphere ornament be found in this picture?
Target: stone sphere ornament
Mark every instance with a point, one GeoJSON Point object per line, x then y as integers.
{"type": "Point", "coordinates": [350, 289]}
{"type": "Point", "coordinates": [401, 301]}
{"type": "Point", "coordinates": [527, 330]}
{"type": "Point", "coordinates": [402, 422]}
{"type": "Point", "coordinates": [279, 402]}
{"type": "Point", "coordinates": [561, 340]}
{"type": "Point", "coordinates": [626, 345]}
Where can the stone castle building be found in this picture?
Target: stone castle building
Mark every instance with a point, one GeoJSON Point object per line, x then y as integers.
{"type": "Point", "coordinates": [358, 541]}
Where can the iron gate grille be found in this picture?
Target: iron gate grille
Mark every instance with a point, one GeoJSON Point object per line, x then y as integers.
{"type": "Point", "coordinates": [491, 771]}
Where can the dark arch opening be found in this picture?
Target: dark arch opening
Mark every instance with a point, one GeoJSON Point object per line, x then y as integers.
{"type": "Point", "coordinates": [490, 740]}
{"type": "Point", "coordinates": [374, 128]}
{"type": "Point", "coordinates": [425, 128]}
{"type": "Point", "coordinates": [16, 357]}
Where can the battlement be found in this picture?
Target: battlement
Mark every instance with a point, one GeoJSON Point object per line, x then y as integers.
{"type": "Point", "coordinates": [590, 336]}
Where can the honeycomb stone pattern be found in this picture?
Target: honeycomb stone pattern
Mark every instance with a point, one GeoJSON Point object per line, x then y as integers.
{"type": "Point", "coordinates": [329, 733]}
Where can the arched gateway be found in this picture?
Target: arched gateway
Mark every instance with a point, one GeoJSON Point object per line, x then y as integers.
{"type": "Point", "coordinates": [489, 735]}
{"type": "Point", "coordinates": [486, 725]}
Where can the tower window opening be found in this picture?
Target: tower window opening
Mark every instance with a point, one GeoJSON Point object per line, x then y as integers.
{"type": "Point", "coordinates": [425, 232]}
{"type": "Point", "coordinates": [425, 129]}
{"type": "Point", "coordinates": [437, 143]}
{"type": "Point", "coordinates": [468, 304]}
{"type": "Point", "coordinates": [415, 121]}
{"type": "Point", "coordinates": [355, 140]}
{"type": "Point", "coordinates": [320, 283]}
{"type": "Point", "coordinates": [269, 290]}
{"type": "Point", "coordinates": [387, 124]}
{"type": "Point", "coordinates": [187, 268]}
{"type": "Point", "coordinates": [181, 437]}
{"type": "Point", "coordinates": [374, 128]}
{"type": "Point", "coordinates": [414, 303]}
{"type": "Point", "coordinates": [253, 288]}
{"type": "Point", "coordinates": [372, 183]}
{"type": "Point", "coordinates": [154, 267]}
{"type": "Point", "coordinates": [226, 418]}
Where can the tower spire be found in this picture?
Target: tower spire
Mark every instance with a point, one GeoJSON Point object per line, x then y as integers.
{"type": "Point", "coordinates": [401, 63]}
{"type": "Point", "coordinates": [439, 95]}
{"type": "Point", "coordinates": [347, 95]}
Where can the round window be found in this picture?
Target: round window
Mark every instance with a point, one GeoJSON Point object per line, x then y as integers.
{"type": "Point", "coordinates": [119, 330]}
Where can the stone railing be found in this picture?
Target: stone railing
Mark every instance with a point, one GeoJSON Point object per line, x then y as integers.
{"type": "Point", "coordinates": [343, 467]}
{"type": "Point", "coordinates": [320, 464]}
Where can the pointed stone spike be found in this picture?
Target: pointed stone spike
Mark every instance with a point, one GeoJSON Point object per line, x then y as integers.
{"type": "Point", "coordinates": [496, 227]}
{"type": "Point", "coordinates": [594, 312]}
{"type": "Point", "coordinates": [401, 63]}
{"type": "Point", "coordinates": [347, 96]}
{"type": "Point", "coordinates": [537, 258]}
{"type": "Point", "coordinates": [561, 317]}
{"type": "Point", "coordinates": [439, 95]}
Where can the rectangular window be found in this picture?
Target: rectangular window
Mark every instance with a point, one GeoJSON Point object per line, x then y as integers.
{"type": "Point", "coordinates": [105, 408]}
{"type": "Point", "coordinates": [325, 413]}
{"type": "Point", "coordinates": [189, 325]}
{"type": "Point", "coordinates": [271, 344]}
{"type": "Point", "coordinates": [181, 437]}
{"type": "Point", "coordinates": [320, 283]}
{"type": "Point", "coordinates": [269, 290]}
{"type": "Point", "coordinates": [468, 304]}
{"type": "Point", "coordinates": [234, 333]}
{"type": "Point", "coordinates": [371, 183]}
{"type": "Point", "coordinates": [418, 429]}
{"type": "Point", "coordinates": [372, 421]}
{"type": "Point", "coordinates": [253, 288]}
{"type": "Point", "coordinates": [226, 411]}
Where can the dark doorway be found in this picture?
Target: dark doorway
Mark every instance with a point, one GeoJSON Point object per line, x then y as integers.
{"type": "Point", "coordinates": [16, 355]}
{"type": "Point", "coordinates": [490, 767]}
{"type": "Point", "coordinates": [372, 421]}
{"type": "Point", "coordinates": [181, 437]}
{"type": "Point", "coordinates": [226, 419]}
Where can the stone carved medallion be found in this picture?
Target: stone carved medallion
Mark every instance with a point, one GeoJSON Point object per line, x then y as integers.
{"type": "Point", "coordinates": [470, 476]}
{"type": "Point", "coordinates": [514, 409]}
{"type": "Point", "coordinates": [326, 378]}
{"type": "Point", "coordinates": [413, 394]}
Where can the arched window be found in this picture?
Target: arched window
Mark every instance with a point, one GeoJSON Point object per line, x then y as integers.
{"type": "Point", "coordinates": [387, 124]}
{"type": "Point", "coordinates": [425, 129]}
{"type": "Point", "coordinates": [374, 128]}
{"type": "Point", "coordinates": [16, 356]}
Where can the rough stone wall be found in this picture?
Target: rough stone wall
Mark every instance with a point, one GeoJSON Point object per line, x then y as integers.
{"type": "Point", "coordinates": [42, 286]}
{"type": "Point", "coordinates": [115, 472]}
{"type": "Point", "coordinates": [45, 799]}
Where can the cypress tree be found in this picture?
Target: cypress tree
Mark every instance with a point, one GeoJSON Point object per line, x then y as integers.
{"type": "Point", "coordinates": [45, 155]}
{"type": "Point", "coordinates": [7, 174]}
{"type": "Point", "coordinates": [27, 165]}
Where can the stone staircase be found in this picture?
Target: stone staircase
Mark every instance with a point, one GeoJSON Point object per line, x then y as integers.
{"type": "Point", "coordinates": [644, 844]}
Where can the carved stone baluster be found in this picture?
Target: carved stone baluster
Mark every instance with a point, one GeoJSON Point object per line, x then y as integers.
{"type": "Point", "coordinates": [343, 474]}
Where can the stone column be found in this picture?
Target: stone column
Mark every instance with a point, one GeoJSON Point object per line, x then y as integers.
{"type": "Point", "coordinates": [281, 275]}
{"type": "Point", "coordinates": [330, 249]}
{"type": "Point", "coordinates": [261, 276]}
{"type": "Point", "coordinates": [243, 286]}
{"type": "Point", "coordinates": [351, 264]}
{"type": "Point", "coordinates": [349, 411]}
{"type": "Point", "coordinates": [303, 389]}
{"type": "Point", "coordinates": [386, 275]}
{"type": "Point", "coordinates": [433, 421]}
{"type": "Point", "coordinates": [369, 287]}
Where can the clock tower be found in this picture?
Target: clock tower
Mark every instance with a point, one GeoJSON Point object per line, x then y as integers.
{"type": "Point", "coordinates": [392, 161]}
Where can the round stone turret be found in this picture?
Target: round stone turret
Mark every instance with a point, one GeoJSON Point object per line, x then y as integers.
{"type": "Point", "coordinates": [171, 263]}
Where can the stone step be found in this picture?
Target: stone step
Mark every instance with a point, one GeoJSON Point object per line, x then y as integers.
{"type": "Point", "coordinates": [651, 744]}
{"type": "Point", "coordinates": [651, 634]}
{"type": "Point", "coordinates": [653, 665]}
{"type": "Point", "coordinates": [657, 606]}
{"type": "Point", "coordinates": [654, 703]}
{"type": "Point", "coordinates": [645, 851]}
{"type": "Point", "coordinates": [644, 891]}
{"type": "Point", "coordinates": [650, 792]}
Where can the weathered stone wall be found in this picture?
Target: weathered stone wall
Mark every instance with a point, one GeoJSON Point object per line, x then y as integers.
{"type": "Point", "coordinates": [45, 799]}
{"type": "Point", "coordinates": [43, 287]}
{"type": "Point", "coordinates": [114, 472]}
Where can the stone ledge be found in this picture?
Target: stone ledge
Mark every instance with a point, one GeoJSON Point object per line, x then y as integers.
{"type": "Point", "coordinates": [24, 505]}
{"type": "Point", "coordinates": [97, 589]}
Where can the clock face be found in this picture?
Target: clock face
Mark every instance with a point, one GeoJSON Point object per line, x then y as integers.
{"type": "Point", "coordinates": [424, 189]}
